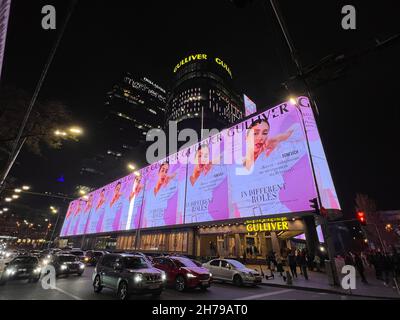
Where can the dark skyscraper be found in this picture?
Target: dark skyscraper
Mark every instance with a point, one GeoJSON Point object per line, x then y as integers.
{"type": "Point", "coordinates": [134, 106]}
{"type": "Point", "coordinates": [203, 95]}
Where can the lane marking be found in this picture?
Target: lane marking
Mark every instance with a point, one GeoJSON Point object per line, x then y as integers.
{"type": "Point", "coordinates": [68, 294]}
{"type": "Point", "coordinates": [265, 295]}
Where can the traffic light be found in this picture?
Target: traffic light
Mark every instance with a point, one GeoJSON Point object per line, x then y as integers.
{"type": "Point", "coordinates": [315, 206]}
{"type": "Point", "coordinates": [362, 218]}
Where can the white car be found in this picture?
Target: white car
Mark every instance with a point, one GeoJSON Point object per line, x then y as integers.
{"type": "Point", "coordinates": [232, 271]}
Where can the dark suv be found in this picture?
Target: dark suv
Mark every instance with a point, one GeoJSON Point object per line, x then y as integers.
{"type": "Point", "coordinates": [127, 274]}
{"type": "Point", "coordinates": [66, 264]}
{"type": "Point", "coordinates": [23, 267]}
{"type": "Point", "coordinates": [92, 257]}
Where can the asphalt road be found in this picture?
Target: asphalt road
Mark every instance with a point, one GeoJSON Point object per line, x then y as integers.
{"type": "Point", "coordinates": [80, 288]}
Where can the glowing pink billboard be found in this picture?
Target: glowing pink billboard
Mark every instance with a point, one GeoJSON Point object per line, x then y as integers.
{"type": "Point", "coordinates": [249, 106]}
{"type": "Point", "coordinates": [259, 167]}
{"type": "Point", "coordinates": [164, 193]}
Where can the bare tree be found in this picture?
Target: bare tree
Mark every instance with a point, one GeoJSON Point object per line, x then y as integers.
{"type": "Point", "coordinates": [46, 117]}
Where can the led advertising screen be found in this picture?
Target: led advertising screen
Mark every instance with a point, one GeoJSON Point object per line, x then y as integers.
{"type": "Point", "coordinates": [207, 196]}
{"type": "Point", "coordinates": [272, 172]}
{"type": "Point", "coordinates": [259, 167]}
{"type": "Point", "coordinates": [164, 193]}
{"type": "Point", "coordinates": [249, 106]}
{"type": "Point", "coordinates": [323, 175]}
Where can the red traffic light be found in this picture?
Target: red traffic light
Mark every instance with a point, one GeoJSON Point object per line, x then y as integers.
{"type": "Point", "coordinates": [361, 217]}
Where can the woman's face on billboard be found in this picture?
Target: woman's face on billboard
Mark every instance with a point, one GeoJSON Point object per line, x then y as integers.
{"type": "Point", "coordinates": [90, 201]}
{"type": "Point", "coordinates": [117, 188]}
{"type": "Point", "coordinates": [162, 174]}
{"type": "Point", "coordinates": [260, 133]}
{"type": "Point", "coordinates": [203, 156]}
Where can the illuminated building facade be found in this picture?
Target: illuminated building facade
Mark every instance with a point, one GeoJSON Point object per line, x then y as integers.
{"type": "Point", "coordinates": [203, 94]}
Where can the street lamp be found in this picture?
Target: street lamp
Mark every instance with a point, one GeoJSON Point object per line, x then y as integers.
{"type": "Point", "coordinates": [18, 190]}
{"type": "Point", "coordinates": [292, 100]}
{"type": "Point", "coordinates": [26, 188]}
{"type": "Point", "coordinates": [131, 167]}
{"type": "Point", "coordinates": [14, 196]}
{"type": "Point", "coordinates": [76, 130]}
{"type": "Point", "coordinates": [60, 133]}
{"type": "Point", "coordinates": [8, 199]}
{"type": "Point", "coordinates": [53, 210]}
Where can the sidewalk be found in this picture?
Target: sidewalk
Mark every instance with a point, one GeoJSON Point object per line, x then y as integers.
{"type": "Point", "coordinates": [318, 281]}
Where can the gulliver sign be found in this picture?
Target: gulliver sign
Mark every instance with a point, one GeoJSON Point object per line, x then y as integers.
{"type": "Point", "coordinates": [198, 57]}
{"type": "Point", "coordinates": [267, 225]}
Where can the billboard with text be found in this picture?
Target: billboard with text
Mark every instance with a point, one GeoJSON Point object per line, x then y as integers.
{"type": "Point", "coordinates": [259, 167]}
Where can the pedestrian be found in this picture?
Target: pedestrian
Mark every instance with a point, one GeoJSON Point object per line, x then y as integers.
{"type": "Point", "coordinates": [292, 264]}
{"type": "Point", "coordinates": [303, 263]}
{"type": "Point", "coordinates": [387, 268]}
{"type": "Point", "coordinates": [279, 267]}
{"type": "Point", "coordinates": [298, 262]}
{"type": "Point", "coordinates": [358, 263]}
{"type": "Point", "coordinates": [317, 262]}
{"type": "Point", "coordinates": [364, 259]}
{"type": "Point", "coordinates": [377, 262]}
{"type": "Point", "coordinates": [348, 259]}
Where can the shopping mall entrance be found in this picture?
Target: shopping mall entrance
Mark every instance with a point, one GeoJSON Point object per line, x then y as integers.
{"type": "Point", "coordinates": [252, 240]}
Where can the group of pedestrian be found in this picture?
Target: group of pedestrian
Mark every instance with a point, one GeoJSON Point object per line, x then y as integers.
{"type": "Point", "coordinates": [385, 264]}
{"type": "Point", "coordinates": [298, 259]}
{"type": "Point", "coordinates": [293, 259]}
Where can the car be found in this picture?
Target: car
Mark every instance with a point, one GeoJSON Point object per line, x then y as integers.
{"type": "Point", "coordinates": [78, 253]}
{"type": "Point", "coordinates": [184, 273]}
{"type": "Point", "coordinates": [127, 274]}
{"type": "Point", "coordinates": [231, 270]}
{"type": "Point", "coordinates": [92, 257]}
{"type": "Point", "coordinates": [44, 259]}
{"type": "Point", "coordinates": [35, 253]}
{"type": "Point", "coordinates": [66, 264]}
{"type": "Point", "coordinates": [21, 267]}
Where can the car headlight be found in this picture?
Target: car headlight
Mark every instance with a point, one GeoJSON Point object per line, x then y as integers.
{"type": "Point", "coordinates": [11, 271]}
{"type": "Point", "coordinates": [138, 278]}
{"type": "Point", "coordinates": [45, 262]}
{"type": "Point", "coordinates": [82, 266]}
{"type": "Point", "coordinates": [63, 267]}
{"type": "Point", "coordinates": [86, 259]}
{"type": "Point", "coordinates": [191, 275]}
{"type": "Point", "coordinates": [163, 276]}
{"type": "Point", "coordinates": [8, 255]}
{"type": "Point", "coordinates": [210, 275]}
{"type": "Point", "coordinates": [37, 270]}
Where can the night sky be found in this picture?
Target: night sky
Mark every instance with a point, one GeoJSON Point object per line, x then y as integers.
{"type": "Point", "coordinates": [359, 113]}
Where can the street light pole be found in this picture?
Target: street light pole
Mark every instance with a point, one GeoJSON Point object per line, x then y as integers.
{"type": "Point", "coordinates": [54, 229]}
{"type": "Point", "coordinates": [324, 220]}
{"type": "Point", "coordinates": [293, 51]}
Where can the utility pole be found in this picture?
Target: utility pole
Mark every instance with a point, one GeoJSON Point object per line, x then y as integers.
{"type": "Point", "coordinates": [293, 52]}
